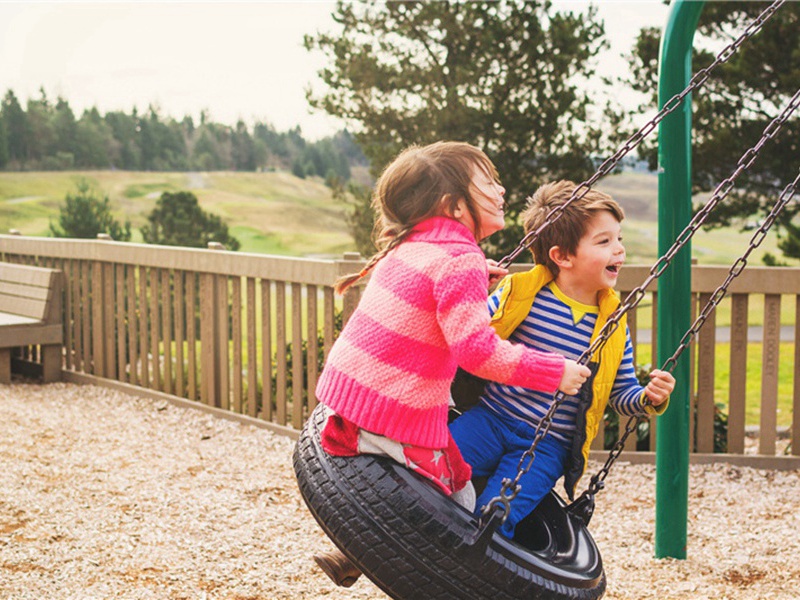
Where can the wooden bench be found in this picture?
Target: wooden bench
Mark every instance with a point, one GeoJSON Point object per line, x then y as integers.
{"type": "Point", "coordinates": [30, 314]}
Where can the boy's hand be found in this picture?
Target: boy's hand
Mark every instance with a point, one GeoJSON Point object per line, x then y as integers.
{"type": "Point", "coordinates": [573, 377]}
{"type": "Point", "coordinates": [660, 387]}
{"type": "Point", "coordinates": [495, 273]}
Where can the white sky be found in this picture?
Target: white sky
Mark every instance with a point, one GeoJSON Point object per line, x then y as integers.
{"type": "Point", "coordinates": [236, 60]}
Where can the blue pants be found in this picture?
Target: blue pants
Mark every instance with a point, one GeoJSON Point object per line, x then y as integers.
{"type": "Point", "coordinates": [493, 445]}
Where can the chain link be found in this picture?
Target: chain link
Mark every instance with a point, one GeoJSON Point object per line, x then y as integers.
{"type": "Point", "coordinates": [669, 106]}
{"type": "Point", "coordinates": [510, 487]}
{"type": "Point", "coordinates": [597, 481]}
{"type": "Point", "coordinates": [722, 190]}
{"type": "Point", "coordinates": [736, 268]}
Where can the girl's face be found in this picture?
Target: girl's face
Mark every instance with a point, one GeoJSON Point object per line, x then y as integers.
{"type": "Point", "coordinates": [489, 200]}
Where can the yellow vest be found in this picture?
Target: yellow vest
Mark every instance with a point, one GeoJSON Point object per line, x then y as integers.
{"type": "Point", "coordinates": [517, 292]}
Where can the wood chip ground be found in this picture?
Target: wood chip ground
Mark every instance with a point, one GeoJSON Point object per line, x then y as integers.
{"type": "Point", "coordinates": [104, 495]}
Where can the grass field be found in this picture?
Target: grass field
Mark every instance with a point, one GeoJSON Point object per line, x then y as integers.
{"type": "Point", "coordinates": [271, 213]}
{"type": "Point", "coordinates": [753, 379]}
{"type": "Point", "coordinates": [277, 213]}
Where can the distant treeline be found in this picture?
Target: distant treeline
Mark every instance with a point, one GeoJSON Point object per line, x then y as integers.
{"type": "Point", "coordinates": [46, 135]}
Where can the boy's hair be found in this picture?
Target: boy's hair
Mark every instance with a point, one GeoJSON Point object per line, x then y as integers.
{"type": "Point", "coordinates": [421, 182]}
{"type": "Point", "coordinates": [566, 231]}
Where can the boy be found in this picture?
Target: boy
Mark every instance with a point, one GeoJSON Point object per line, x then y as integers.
{"type": "Point", "coordinates": [559, 306]}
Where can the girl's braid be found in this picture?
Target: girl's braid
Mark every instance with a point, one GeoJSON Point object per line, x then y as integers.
{"type": "Point", "coordinates": [346, 281]}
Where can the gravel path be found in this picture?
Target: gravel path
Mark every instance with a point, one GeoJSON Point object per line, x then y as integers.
{"type": "Point", "coordinates": [104, 495]}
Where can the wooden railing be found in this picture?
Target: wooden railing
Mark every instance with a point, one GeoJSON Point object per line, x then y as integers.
{"type": "Point", "coordinates": [247, 333]}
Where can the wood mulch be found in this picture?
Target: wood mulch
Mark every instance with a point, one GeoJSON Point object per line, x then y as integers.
{"type": "Point", "coordinates": [104, 495]}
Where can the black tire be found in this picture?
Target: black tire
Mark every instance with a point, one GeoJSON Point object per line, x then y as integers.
{"type": "Point", "coordinates": [412, 541]}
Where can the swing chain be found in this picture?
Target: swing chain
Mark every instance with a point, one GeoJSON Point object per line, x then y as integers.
{"type": "Point", "coordinates": [736, 268]}
{"type": "Point", "coordinates": [632, 142]}
{"type": "Point", "coordinates": [510, 488]}
{"type": "Point", "coordinates": [597, 481]}
{"type": "Point", "coordinates": [723, 189]}
{"type": "Point", "coordinates": [719, 293]}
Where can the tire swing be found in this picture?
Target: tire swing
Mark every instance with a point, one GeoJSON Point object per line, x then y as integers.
{"type": "Point", "coordinates": [414, 542]}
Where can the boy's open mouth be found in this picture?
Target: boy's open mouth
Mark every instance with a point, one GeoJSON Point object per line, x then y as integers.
{"type": "Point", "coordinates": [613, 268]}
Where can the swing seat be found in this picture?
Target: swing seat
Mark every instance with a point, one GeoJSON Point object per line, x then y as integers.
{"type": "Point", "coordinates": [414, 542]}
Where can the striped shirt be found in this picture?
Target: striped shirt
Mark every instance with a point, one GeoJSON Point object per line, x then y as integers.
{"type": "Point", "coordinates": [559, 324]}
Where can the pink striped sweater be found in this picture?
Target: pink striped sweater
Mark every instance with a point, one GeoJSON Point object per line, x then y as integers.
{"type": "Point", "coordinates": [423, 313]}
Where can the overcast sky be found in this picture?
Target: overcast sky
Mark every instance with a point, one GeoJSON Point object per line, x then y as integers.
{"type": "Point", "coordinates": [236, 60]}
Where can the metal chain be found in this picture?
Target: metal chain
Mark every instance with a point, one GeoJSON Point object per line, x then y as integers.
{"type": "Point", "coordinates": [736, 268]}
{"type": "Point", "coordinates": [721, 191]}
{"type": "Point", "coordinates": [669, 106]}
{"type": "Point", "coordinates": [510, 487]}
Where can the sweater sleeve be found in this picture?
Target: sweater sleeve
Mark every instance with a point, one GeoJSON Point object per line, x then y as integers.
{"type": "Point", "coordinates": [627, 394]}
{"type": "Point", "coordinates": [460, 296]}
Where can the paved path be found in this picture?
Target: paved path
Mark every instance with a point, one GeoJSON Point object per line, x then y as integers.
{"type": "Point", "coordinates": [23, 199]}
{"type": "Point", "coordinates": [754, 334]}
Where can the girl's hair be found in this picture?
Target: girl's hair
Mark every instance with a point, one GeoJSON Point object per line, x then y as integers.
{"type": "Point", "coordinates": [566, 232]}
{"type": "Point", "coordinates": [422, 182]}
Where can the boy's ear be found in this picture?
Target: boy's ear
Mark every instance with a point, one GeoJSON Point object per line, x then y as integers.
{"type": "Point", "coordinates": [559, 257]}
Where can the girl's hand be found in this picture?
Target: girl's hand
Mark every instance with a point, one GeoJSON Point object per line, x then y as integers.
{"type": "Point", "coordinates": [660, 387]}
{"type": "Point", "coordinates": [495, 273]}
{"type": "Point", "coordinates": [573, 377]}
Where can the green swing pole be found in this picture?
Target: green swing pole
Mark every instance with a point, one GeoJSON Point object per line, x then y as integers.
{"type": "Point", "coordinates": [674, 287]}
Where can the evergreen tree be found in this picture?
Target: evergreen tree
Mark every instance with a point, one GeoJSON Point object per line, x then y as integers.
{"type": "Point", "coordinates": [734, 107]}
{"type": "Point", "coordinates": [789, 243]}
{"type": "Point", "coordinates": [242, 149]}
{"type": "Point", "coordinates": [161, 143]}
{"type": "Point", "coordinates": [3, 145]}
{"type": "Point", "coordinates": [94, 144]}
{"type": "Point", "coordinates": [85, 214]}
{"type": "Point", "coordinates": [507, 76]}
{"type": "Point", "coordinates": [41, 142]}
{"type": "Point", "coordinates": [125, 132]}
{"type": "Point", "coordinates": [18, 131]}
{"type": "Point", "coordinates": [178, 220]}
{"type": "Point", "coordinates": [65, 132]}
{"type": "Point", "coordinates": [274, 143]}
{"type": "Point", "coordinates": [360, 217]}
{"type": "Point", "coordinates": [48, 136]}
{"type": "Point", "coordinates": [207, 154]}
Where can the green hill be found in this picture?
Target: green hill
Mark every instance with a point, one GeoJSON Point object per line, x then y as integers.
{"type": "Point", "coordinates": [274, 213]}
{"type": "Point", "coordinates": [278, 213]}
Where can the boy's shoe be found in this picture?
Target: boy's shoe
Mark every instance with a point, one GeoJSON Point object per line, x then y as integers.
{"type": "Point", "coordinates": [338, 567]}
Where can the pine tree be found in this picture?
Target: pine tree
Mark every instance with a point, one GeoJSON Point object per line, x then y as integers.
{"type": "Point", "coordinates": [178, 220]}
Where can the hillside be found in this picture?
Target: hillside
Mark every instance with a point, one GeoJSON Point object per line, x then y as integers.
{"type": "Point", "coordinates": [274, 212]}
{"type": "Point", "coordinates": [278, 213]}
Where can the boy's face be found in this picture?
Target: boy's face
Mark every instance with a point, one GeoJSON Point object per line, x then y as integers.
{"type": "Point", "coordinates": [599, 255]}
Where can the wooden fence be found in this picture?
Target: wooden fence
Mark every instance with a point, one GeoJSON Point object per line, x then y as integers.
{"type": "Point", "coordinates": [247, 334]}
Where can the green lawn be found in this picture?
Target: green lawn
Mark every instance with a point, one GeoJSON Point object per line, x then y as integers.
{"type": "Point", "coordinates": [274, 213]}
{"type": "Point", "coordinates": [722, 313]}
{"type": "Point", "coordinates": [753, 379]}
{"type": "Point", "coordinates": [277, 213]}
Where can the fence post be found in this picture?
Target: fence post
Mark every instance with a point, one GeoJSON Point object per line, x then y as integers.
{"type": "Point", "coordinates": [351, 263]}
{"type": "Point", "coordinates": [97, 320]}
{"type": "Point", "coordinates": [212, 381]}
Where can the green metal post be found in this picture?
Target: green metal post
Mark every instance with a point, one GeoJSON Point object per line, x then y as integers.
{"type": "Point", "coordinates": [674, 286]}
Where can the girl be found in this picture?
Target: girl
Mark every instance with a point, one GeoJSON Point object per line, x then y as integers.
{"type": "Point", "coordinates": [423, 313]}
